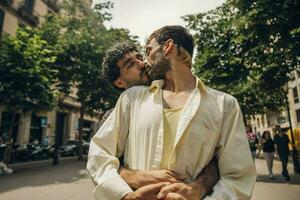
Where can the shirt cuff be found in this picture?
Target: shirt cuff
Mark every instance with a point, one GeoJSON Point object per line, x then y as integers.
{"type": "Point", "coordinates": [113, 189]}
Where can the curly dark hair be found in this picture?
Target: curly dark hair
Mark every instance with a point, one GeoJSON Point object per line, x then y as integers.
{"type": "Point", "coordinates": [264, 134]}
{"type": "Point", "coordinates": [110, 70]}
{"type": "Point", "coordinates": [180, 35]}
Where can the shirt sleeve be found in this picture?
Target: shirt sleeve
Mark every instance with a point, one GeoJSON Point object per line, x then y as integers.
{"type": "Point", "coordinates": [105, 147]}
{"type": "Point", "coordinates": [236, 167]}
{"type": "Point", "coordinates": [105, 116]}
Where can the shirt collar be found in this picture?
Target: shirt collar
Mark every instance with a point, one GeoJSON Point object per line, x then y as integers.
{"type": "Point", "coordinates": [158, 84]}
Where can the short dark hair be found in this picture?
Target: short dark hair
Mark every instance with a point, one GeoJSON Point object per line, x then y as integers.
{"type": "Point", "coordinates": [180, 35]}
{"type": "Point", "coordinates": [110, 70]}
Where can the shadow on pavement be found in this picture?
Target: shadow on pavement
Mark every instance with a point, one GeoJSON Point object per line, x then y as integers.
{"type": "Point", "coordinates": [294, 180]}
{"type": "Point", "coordinates": [41, 176]}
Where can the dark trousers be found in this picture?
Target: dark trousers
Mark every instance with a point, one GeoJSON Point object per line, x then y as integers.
{"type": "Point", "coordinates": [284, 157]}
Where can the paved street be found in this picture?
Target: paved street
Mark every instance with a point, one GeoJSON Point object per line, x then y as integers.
{"type": "Point", "coordinates": [70, 181]}
{"type": "Point", "coordinates": [277, 189]}
{"type": "Point", "coordinates": [63, 182]}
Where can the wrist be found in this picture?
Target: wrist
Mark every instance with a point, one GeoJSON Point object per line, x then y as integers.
{"type": "Point", "coordinates": [140, 179]}
{"type": "Point", "coordinates": [130, 177]}
{"type": "Point", "coordinates": [199, 188]}
{"type": "Point", "coordinates": [129, 196]}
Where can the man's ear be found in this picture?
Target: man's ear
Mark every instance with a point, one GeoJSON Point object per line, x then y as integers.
{"type": "Point", "coordinates": [120, 83]}
{"type": "Point", "coordinates": [169, 46]}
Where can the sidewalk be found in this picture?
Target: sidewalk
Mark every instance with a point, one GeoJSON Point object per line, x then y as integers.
{"type": "Point", "coordinates": [277, 189]}
{"type": "Point", "coordinates": [40, 163]}
{"type": "Point", "coordinates": [66, 181]}
{"type": "Point", "coordinates": [70, 181]}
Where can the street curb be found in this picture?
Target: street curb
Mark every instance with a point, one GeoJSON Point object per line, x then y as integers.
{"type": "Point", "coordinates": [41, 163]}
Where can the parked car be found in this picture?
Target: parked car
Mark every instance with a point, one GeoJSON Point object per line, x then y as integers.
{"type": "Point", "coordinates": [71, 148]}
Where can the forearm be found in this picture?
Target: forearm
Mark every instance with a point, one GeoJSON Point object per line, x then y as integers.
{"type": "Point", "coordinates": [106, 180]}
{"type": "Point", "coordinates": [130, 176]}
{"type": "Point", "coordinates": [207, 178]}
{"type": "Point", "coordinates": [103, 170]}
{"type": "Point", "coordinates": [199, 188]}
{"type": "Point", "coordinates": [137, 179]}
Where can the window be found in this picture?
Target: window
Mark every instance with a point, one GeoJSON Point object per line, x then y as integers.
{"type": "Point", "coordinates": [295, 93]}
{"type": "Point", "coordinates": [298, 115]}
{"type": "Point", "coordinates": [1, 20]}
{"type": "Point", "coordinates": [281, 120]}
{"type": "Point", "coordinates": [28, 5]}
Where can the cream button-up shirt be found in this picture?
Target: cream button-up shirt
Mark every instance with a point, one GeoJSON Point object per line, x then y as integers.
{"type": "Point", "coordinates": [211, 122]}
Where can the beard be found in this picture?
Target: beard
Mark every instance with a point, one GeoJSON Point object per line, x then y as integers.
{"type": "Point", "coordinates": [132, 83]}
{"type": "Point", "coordinates": [143, 80]}
{"type": "Point", "coordinates": [159, 68]}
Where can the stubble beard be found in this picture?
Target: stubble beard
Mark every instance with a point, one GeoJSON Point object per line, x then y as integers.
{"type": "Point", "coordinates": [144, 80]}
{"type": "Point", "coordinates": [159, 68]}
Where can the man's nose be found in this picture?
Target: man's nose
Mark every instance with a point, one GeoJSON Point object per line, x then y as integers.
{"type": "Point", "coordinates": [141, 65]}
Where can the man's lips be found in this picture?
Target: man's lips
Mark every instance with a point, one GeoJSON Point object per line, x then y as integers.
{"type": "Point", "coordinates": [146, 70]}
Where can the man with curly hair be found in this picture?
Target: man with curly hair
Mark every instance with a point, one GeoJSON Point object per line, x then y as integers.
{"type": "Point", "coordinates": [123, 67]}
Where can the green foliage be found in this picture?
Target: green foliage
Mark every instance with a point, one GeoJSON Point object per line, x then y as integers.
{"type": "Point", "coordinates": [27, 73]}
{"type": "Point", "coordinates": [83, 43]}
{"type": "Point", "coordinates": [42, 65]}
{"type": "Point", "coordinates": [247, 48]}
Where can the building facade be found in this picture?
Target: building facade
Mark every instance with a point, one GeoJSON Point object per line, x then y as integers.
{"type": "Point", "coordinates": [64, 119]}
{"type": "Point", "coordinates": [268, 120]}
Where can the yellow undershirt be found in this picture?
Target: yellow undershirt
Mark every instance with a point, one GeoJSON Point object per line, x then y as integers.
{"type": "Point", "coordinates": [171, 117]}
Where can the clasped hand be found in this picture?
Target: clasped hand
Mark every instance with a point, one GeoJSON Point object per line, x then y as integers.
{"type": "Point", "coordinates": [160, 184]}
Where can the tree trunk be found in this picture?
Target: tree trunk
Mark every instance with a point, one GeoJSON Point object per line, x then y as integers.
{"type": "Point", "coordinates": [56, 152]}
{"type": "Point", "coordinates": [80, 131]}
{"type": "Point", "coordinates": [9, 141]}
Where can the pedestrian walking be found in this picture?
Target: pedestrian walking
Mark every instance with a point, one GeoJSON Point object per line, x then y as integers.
{"type": "Point", "coordinates": [253, 141]}
{"type": "Point", "coordinates": [282, 141]}
{"type": "Point", "coordinates": [269, 150]}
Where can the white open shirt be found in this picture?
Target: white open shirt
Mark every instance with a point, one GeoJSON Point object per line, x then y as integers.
{"type": "Point", "coordinates": [210, 119]}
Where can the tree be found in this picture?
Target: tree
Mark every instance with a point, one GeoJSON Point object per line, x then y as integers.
{"type": "Point", "coordinates": [27, 75]}
{"type": "Point", "coordinates": [236, 55]}
{"type": "Point", "coordinates": [271, 29]}
{"type": "Point", "coordinates": [84, 42]}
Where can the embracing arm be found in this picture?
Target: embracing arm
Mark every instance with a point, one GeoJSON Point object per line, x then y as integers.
{"type": "Point", "coordinates": [137, 179]}
{"type": "Point", "coordinates": [198, 188]}
{"type": "Point", "coordinates": [236, 167]}
{"type": "Point", "coordinates": [105, 147]}
{"type": "Point", "coordinates": [177, 189]}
